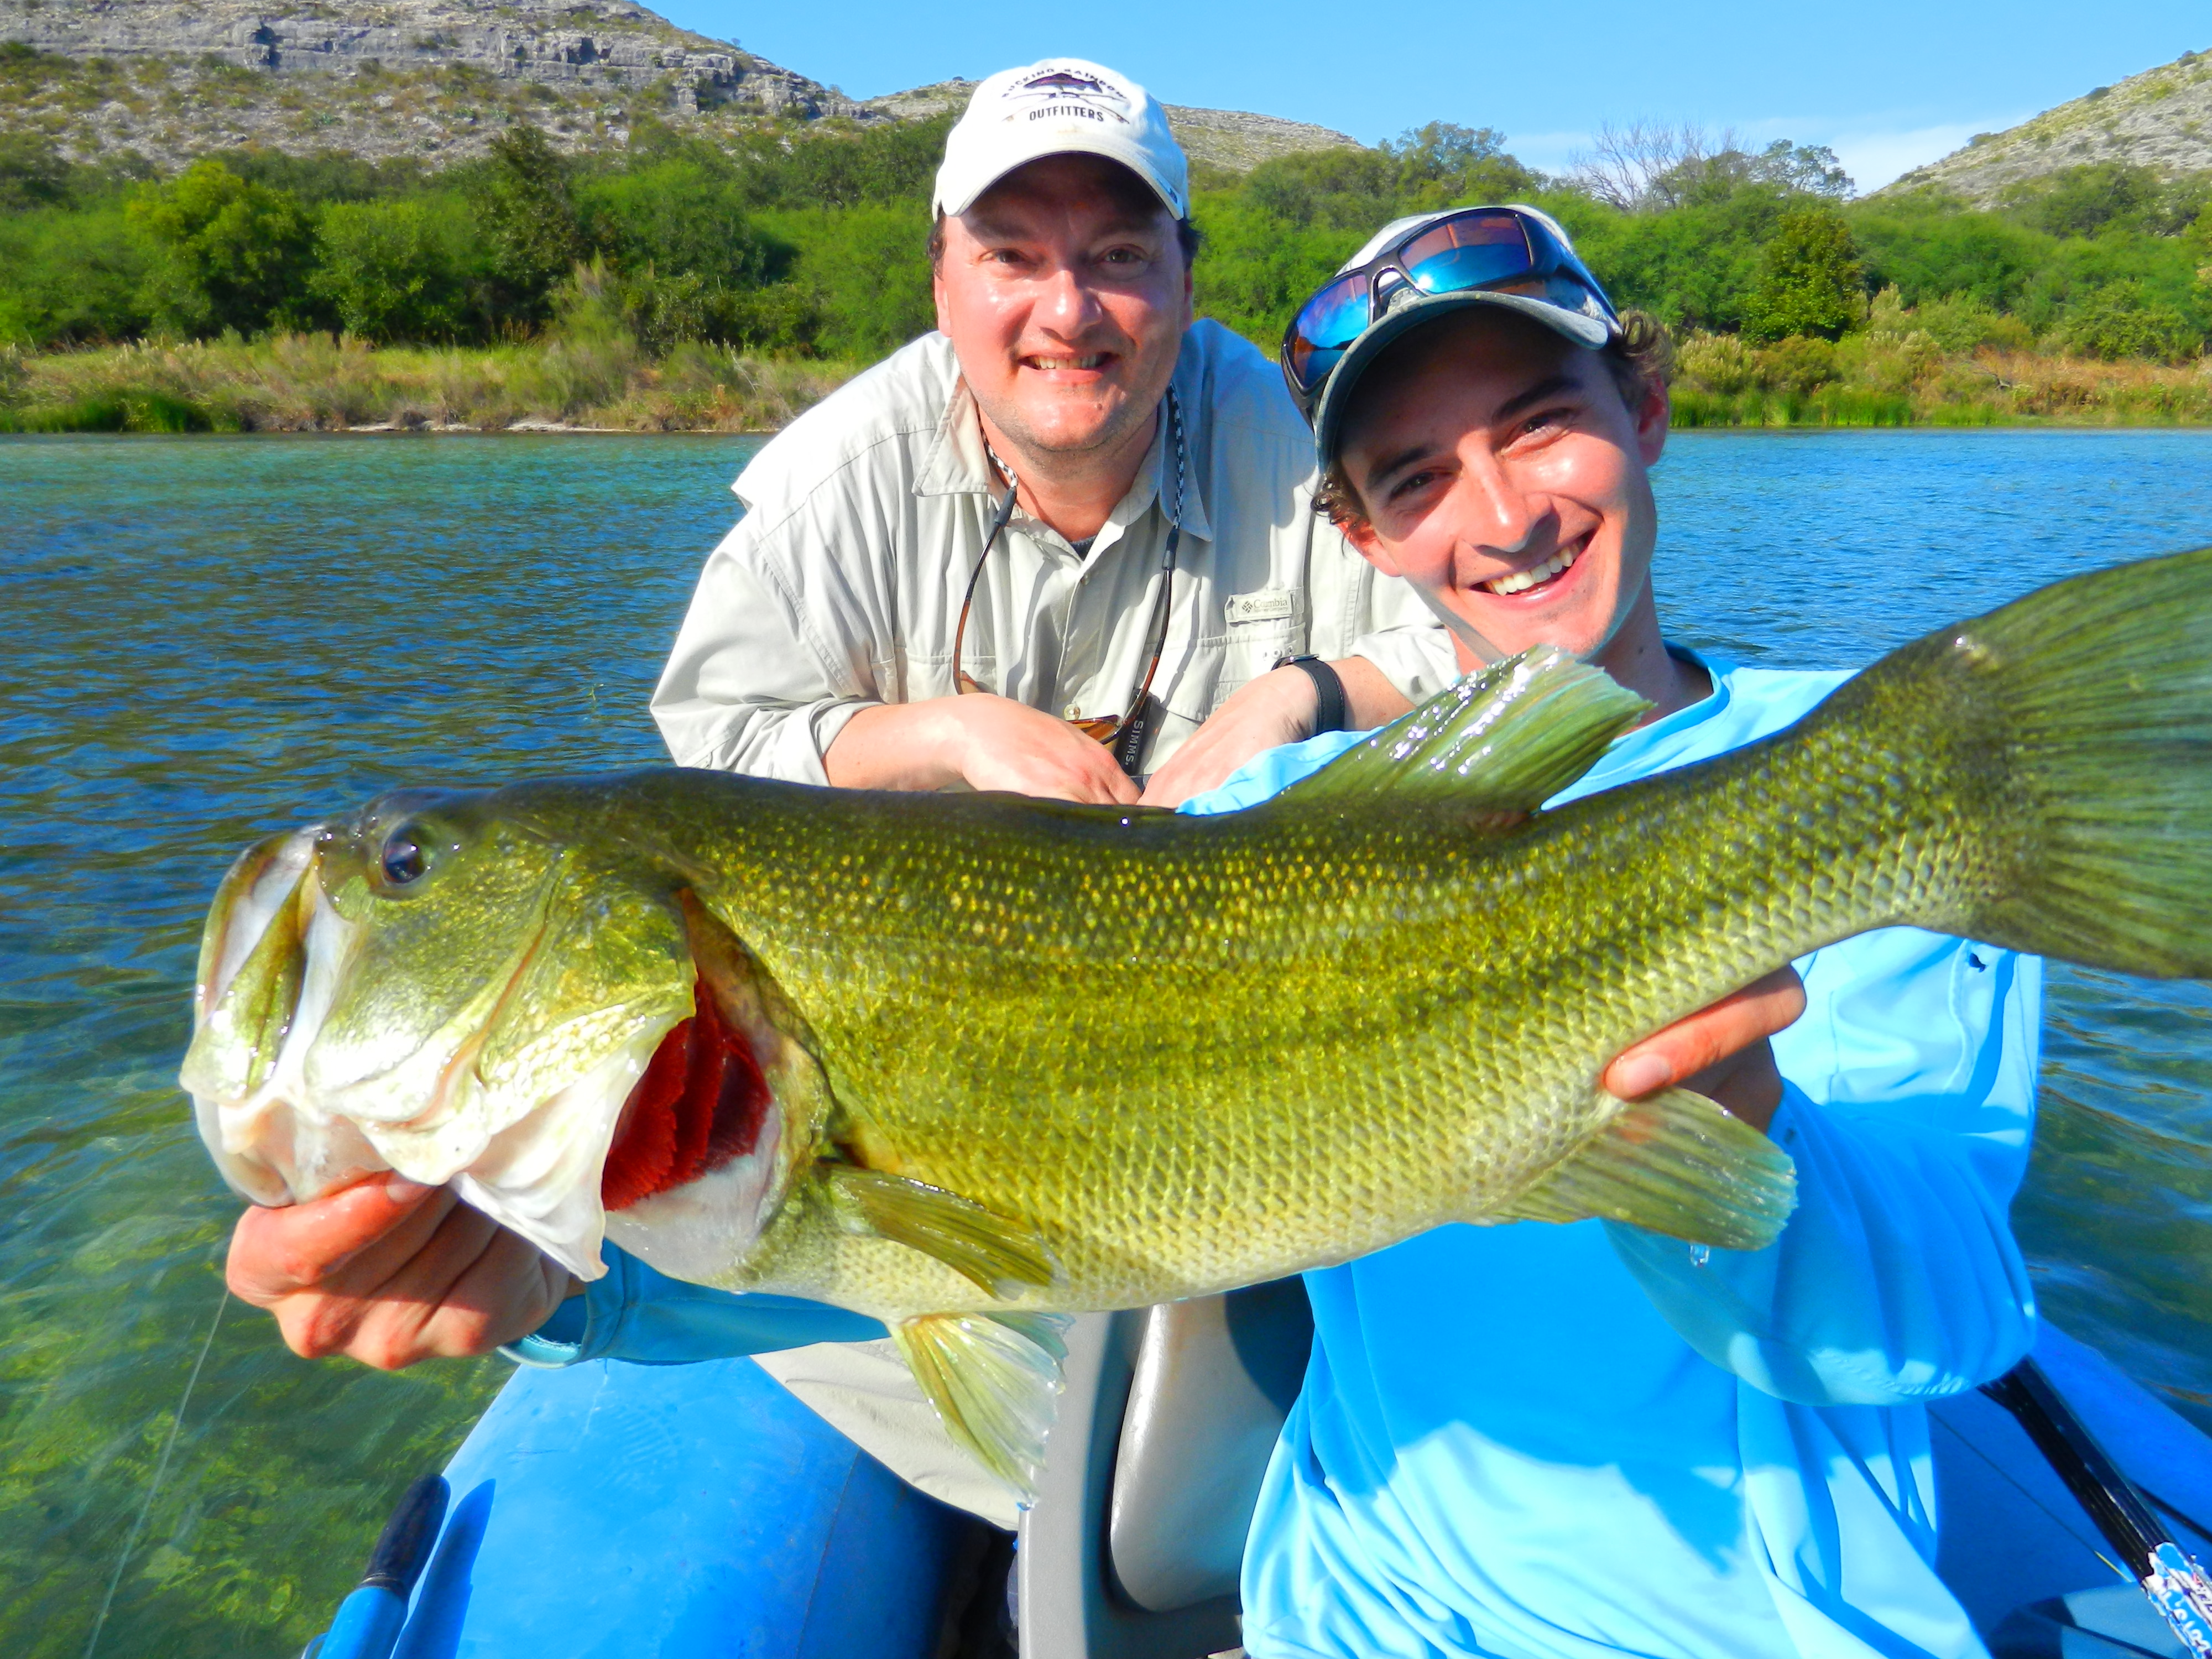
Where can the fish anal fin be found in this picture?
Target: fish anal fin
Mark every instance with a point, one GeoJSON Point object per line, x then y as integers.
{"type": "Point", "coordinates": [1674, 1163]}
{"type": "Point", "coordinates": [995, 1382]}
{"type": "Point", "coordinates": [1497, 744]}
{"type": "Point", "coordinates": [995, 1251]}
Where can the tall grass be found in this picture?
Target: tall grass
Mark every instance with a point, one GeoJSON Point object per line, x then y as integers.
{"type": "Point", "coordinates": [1895, 373]}
{"type": "Point", "coordinates": [319, 382]}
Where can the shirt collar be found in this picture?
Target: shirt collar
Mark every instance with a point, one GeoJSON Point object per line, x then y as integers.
{"type": "Point", "coordinates": [1634, 752]}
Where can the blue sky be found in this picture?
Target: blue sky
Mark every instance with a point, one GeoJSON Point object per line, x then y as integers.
{"type": "Point", "coordinates": [1888, 85]}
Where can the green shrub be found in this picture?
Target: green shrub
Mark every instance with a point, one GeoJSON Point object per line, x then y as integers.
{"type": "Point", "coordinates": [1955, 323]}
{"type": "Point", "coordinates": [401, 269]}
{"type": "Point", "coordinates": [532, 236]}
{"type": "Point", "coordinates": [808, 240]}
{"type": "Point", "coordinates": [236, 255]}
{"type": "Point", "coordinates": [827, 168]}
{"type": "Point", "coordinates": [2118, 320]}
{"type": "Point", "coordinates": [1799, 364]}
{"type": "Point", "coordinates": [682, 215]}
{"type": "Point", "coordinates": [865, 269]}
{"type": "Point", "coordinates": [1717, 363]}
{"type": "Point", "coordinates": [1928, 247]}
{"type": "Point", "coordinates": [69, 277]}
{"type": "Point", "coordinates": [1809, 279]}
{"type": "Point", "coordinates": [32, 172]}
{"type": "Point", "coordinates": [2081, 201]}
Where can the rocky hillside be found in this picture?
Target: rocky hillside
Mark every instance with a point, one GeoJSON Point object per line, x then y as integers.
{"type": "Point", "coordinates": [430, 78]}
{"type": "Point", "coordinates": [2161, 118]}
{"type": "Point", "coordinates": [434, 79]}
{"type": "Point", "coordinates": [1228, 138]}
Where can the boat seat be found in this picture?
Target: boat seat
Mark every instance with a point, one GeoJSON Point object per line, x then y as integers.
{"type": "Point", "coordinates": [1133, 1546]}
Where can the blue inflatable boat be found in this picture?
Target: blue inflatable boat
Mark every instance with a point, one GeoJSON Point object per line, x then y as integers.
{"type": "Point", "coordinates": [614, 1510]}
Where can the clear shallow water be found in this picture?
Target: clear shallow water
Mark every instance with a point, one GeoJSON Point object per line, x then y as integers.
{"type": "Point", "coordinates": [209, 638]}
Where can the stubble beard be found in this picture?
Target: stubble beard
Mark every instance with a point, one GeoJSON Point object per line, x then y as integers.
{"type": "Point", "coordinates": [1114, 430]}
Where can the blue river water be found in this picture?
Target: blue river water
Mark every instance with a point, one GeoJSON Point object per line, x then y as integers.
{"type": "Point", "coordinates": [209, 638]}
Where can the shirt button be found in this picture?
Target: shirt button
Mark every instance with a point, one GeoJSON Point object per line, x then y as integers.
{"type": "Point", "coordinates": [1072, 712]}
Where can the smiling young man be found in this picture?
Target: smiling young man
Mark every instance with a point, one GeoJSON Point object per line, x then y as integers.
{"type": "Point", "coordinates": [1543, 1442]}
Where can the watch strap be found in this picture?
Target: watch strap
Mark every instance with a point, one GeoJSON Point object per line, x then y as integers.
{"type": "Point", "coordinates": [1332, 708]}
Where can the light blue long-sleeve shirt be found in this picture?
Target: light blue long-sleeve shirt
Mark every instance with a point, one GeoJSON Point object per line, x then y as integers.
{"type": "Point", "coordinates": [1544, 1442]}
{"type": "Point", "coordinates": [1534, 1440]}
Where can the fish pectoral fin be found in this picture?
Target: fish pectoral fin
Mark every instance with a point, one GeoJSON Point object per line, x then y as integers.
{"type": "Point", "coordinates": [996, 1252]}
{"type": "Point", "coordinates": [1675, 1162]}
{"type": "Point", "coordinates": [995, 1382]}
{"type": "Point", "coordinates": [1501, 742]}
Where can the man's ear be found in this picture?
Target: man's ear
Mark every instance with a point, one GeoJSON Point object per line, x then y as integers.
{"type": "Point", "coordinates": [937, 295]}
{"type": "Point", "coordinates": [1651, 424]}
{"type": "Point", "coordinates": [1361, 534]}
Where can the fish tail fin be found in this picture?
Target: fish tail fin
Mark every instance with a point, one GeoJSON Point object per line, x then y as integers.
{"type": "Point", "coordinates": [995, 1382]}
{"type": "Point", "coordinates": [2079, 721]}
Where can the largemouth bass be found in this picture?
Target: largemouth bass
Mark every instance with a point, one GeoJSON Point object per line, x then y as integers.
{"type": "Point", "coordinates": [964, 1063]}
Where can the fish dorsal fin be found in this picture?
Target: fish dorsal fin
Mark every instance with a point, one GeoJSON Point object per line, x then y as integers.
{"type": "Point", "coordinates": [995, 1381]}
{"type": "Point", "coordinates": [1674, 1163]}
{"type": "Point", "coordinates": [1503, 741]}
{"type": "Point", "coordinates": [995, 1252]}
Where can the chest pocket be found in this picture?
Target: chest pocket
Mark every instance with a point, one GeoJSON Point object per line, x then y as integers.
{"type": "Point", "coordinates": [1261, 627]}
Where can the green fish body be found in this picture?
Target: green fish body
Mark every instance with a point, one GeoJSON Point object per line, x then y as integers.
{"type": "Point", "coordinates": [963, 1062]}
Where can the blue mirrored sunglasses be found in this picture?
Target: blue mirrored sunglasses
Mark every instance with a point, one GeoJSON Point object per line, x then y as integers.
{"type": "Point", "coordinates": [1501, 250]}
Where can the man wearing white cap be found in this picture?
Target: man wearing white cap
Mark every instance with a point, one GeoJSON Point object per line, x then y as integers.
{"type": "Point", "coordinates": [1039, 549]}
{"type": "Point", "coordinates": [1057, 547]}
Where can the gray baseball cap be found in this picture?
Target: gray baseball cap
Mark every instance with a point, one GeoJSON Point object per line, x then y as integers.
{"type": "Point", "coordinates": [1468, 246]}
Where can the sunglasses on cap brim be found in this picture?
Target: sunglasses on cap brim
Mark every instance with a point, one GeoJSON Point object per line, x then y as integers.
{"type": "Point", "coordinates": [1477, 250]}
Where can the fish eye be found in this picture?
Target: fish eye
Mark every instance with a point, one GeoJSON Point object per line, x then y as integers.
{"type": "Point", "coordinates": [406, 856]}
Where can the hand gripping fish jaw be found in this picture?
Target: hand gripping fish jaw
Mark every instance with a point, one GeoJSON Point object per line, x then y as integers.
{"type": "Point", "coordinates": [447, 989]}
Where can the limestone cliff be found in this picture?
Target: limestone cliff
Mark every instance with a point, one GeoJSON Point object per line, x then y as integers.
{"type": "Point", "coordinates": [434, 78]}
{"type": "Point", "coordinates": [2160, 119]}
{"type": "Point", "coordinates": [165, 79]}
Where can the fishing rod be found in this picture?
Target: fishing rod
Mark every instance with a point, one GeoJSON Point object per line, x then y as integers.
{"type": "Point", "coordinates": [2177, 1586]}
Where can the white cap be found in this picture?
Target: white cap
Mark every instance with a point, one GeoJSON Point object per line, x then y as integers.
{"type": "Point", "coordinates": [1060, 107]}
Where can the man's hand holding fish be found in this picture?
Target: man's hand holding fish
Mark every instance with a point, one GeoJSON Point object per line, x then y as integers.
{"type": "Point", "coordinates": [390, 1272]}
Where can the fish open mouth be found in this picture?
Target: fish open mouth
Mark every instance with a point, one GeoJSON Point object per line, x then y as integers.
{"type": "Point", "coordinates": [703, 1101]}
{"type": "Point", "coordinates": [667, 1121]}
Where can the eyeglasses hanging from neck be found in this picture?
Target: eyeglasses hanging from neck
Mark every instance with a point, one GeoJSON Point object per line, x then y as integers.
{"type": "Point", "coordinates": [1125, 736]}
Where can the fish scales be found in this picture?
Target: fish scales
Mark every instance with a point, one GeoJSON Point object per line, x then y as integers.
{"type": "Point", "coordinates": [970, 1057]}
{"type": "Point", "coordinates": [1144, 1083]}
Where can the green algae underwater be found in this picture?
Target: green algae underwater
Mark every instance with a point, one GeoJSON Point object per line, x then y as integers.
{"type": "Point", "coordinates": [221, 637]}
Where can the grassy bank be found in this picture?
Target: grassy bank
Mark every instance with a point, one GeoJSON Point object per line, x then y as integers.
{"type": "Point", "coordinates": [323, 383]}
{"type": "Point", "coordinates": [319, 383]}
{"type": "Point", "coordinates": [1893, 372]}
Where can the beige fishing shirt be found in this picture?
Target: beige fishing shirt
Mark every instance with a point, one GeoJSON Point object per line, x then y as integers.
{"type": "Point", "coordinates": [841, 586]}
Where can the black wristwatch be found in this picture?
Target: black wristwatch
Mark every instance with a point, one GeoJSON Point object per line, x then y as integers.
{"type": "Point", "coordinates": [1331, 708]}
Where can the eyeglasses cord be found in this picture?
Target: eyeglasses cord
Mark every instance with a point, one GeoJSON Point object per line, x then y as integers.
{"type": "Point", "coordinates": [1127, 737]}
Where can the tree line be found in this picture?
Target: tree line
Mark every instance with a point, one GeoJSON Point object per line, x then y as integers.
{"type": "Point", "coordinates": [811, 242]}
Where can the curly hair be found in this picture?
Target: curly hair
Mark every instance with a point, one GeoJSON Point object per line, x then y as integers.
{"type": "Point", "coordinates": [1641, 362]}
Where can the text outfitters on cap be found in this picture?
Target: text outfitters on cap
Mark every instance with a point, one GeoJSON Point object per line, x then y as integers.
{"type": "Point", "coordinates": [1060, 107]}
